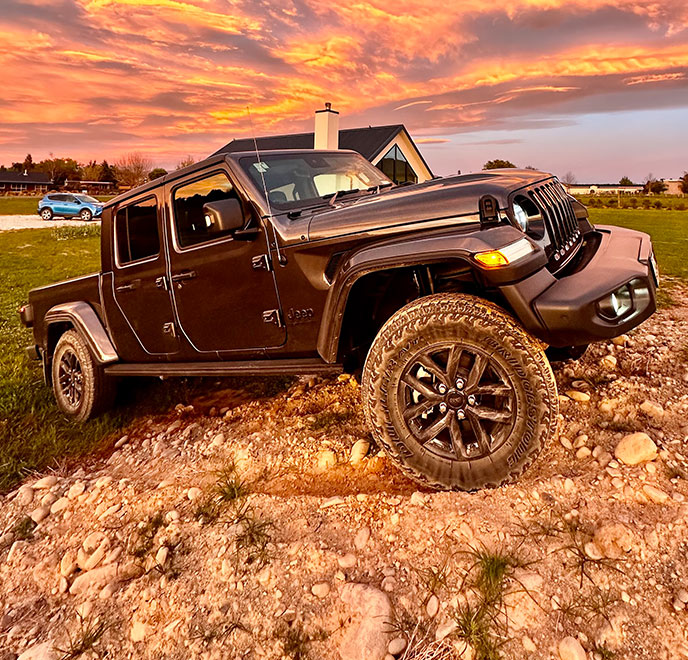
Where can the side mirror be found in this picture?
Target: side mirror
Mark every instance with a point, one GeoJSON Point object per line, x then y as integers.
{"type": "Point", "coordinates": [227, 216]}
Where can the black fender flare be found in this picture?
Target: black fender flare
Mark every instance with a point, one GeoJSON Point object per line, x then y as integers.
{"type": "Point", "coordinates": [84, 319]}
{"type": "Point", "coordinates": [419, 250]}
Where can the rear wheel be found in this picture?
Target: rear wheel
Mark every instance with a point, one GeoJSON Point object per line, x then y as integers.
{"type": "Point", "coordinates": [81, 388]}
{"type": "Point", "coordinates": [458, 393]}
{"type": "Point", "coordinates": [86, 215]}
{"type": "Point", "coordinates": [46, 214]}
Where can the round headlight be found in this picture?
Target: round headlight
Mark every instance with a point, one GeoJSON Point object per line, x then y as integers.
{"type": "Point", "coordinates": [521, 217]}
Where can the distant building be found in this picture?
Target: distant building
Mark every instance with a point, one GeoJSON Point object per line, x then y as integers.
{"type": "Point", "coordinates": [390, 148]}
{"type": "Point", "coordinates": [673, 187]}
{"type": "Point", "coordinates": [602, 189]}
{"type": "Point", "coordinates": [18, 183]}
{"type": "Point", "coordinates": [93, 187]}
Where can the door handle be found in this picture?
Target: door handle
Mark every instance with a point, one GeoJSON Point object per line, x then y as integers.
{"type": "Point", "coordinates": [186, 275]}
{"type": "Point", "coordinates": [130, 286]}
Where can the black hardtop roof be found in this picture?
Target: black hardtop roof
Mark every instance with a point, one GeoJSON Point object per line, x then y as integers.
{"type": "Point", "coordinates": [201, 164]}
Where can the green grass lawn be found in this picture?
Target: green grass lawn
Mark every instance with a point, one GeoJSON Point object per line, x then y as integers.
{"type": "Point", "coordinates": [27, 205]}
{"type": "Point", "coordinates": [668, 229]}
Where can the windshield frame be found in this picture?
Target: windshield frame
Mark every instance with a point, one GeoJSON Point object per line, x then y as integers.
{"type": "Point", "coordinates": [378, 179]}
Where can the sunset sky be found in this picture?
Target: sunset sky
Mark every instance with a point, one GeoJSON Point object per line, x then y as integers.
{"type": "Point", "coordinates": [597, 87]}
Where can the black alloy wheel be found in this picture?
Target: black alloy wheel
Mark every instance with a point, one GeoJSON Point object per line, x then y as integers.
{"type": "Point", "coordinates": [70, 378]}
{"type": "Point", "coordinates": [457, 402]}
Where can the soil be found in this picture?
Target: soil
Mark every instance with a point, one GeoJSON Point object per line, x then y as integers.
{"type": "Point", "coordinates": [223, 518]}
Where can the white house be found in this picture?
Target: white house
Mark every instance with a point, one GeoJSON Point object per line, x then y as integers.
{"type": "Point", "coordinates": [390, 148]}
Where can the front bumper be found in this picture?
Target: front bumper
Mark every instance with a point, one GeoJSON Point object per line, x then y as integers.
{"type": "Point", "coordinates": [566, 310]}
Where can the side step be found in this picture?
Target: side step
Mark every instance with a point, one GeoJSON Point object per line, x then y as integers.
{"type": "Point", "coordinates": [245, 368]}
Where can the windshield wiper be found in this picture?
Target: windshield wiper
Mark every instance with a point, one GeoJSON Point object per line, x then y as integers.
{"type": "Point", "coordinates": [340, 193]}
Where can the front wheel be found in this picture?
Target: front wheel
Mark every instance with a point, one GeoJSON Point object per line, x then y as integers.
{"type": "Point", "coordinates": [458, 393]}
{"type": "Point", "coordinates": [86, 215]}
{"type": "Point", "coordinates": [81, 388]}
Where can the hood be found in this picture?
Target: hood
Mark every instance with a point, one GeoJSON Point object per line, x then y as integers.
{"type": "Point", "coordinates": [437, 199]}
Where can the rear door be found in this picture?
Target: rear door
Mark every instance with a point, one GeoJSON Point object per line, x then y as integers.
{"type": "Point", "coordinates": [225, 296]}
{"type": "Point", "coordinates": [139, 274]}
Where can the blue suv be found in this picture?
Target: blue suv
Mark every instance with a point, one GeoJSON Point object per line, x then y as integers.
{"type": "Point", "coordinates": [69, 205]}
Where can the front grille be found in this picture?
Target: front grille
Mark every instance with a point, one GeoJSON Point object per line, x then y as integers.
{"type": "Point", "coordinates": [558, 216]}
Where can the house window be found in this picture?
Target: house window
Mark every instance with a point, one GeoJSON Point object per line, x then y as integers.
{"type": "Point", "coordinates": [396, 167]}
{"type": "Point", "coordinates": [136, 231]}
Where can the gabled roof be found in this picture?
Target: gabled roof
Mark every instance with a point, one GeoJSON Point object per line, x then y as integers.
{"type": "Point", "coordinates": [29, 177]}
{"type": "Point", "coordinates": [367, 141]}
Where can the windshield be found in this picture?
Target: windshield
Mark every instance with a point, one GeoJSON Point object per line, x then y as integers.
{"type": "Point", "coordinates": [295, 180]}
{"type": "Point", "coordinates": [87, 198]}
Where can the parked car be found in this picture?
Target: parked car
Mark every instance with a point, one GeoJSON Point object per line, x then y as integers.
{"type": "Point", "coordinates": [69, 205]}
{"type": "Point", "coordinates": [444, 294]}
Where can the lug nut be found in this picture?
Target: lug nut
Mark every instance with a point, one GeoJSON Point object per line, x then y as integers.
{"type": "Point", "coordinates": [443, 408]}
{"type": "Point", "coordinates": [471, 400]}
{"type": "Point", "coordinates": [460, 383]}
{"type": "Point", "coordinates": [461, 414]}
{"type": "Point", "coordinates": [442, 388]}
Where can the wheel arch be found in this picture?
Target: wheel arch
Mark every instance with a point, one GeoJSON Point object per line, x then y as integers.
{"type": "Point", "coordinates": [80, 317]}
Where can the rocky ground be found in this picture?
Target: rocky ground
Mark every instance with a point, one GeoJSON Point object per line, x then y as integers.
{"type": "Point", "coordinates": [243, 527]}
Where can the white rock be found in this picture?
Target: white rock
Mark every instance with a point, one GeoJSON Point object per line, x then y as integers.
{"type": "Point", "coordinates": [418, 498]}
{"type": "Point", "coordinates": [76, 489]}
{"type": "Point", "coordinates": [59, 505]}
{"type": "Point", "coordinates": [95, 579]}
{"type": "Point", "coordinates": [108, 591]}
{"type": "Point", "coordinates": [326, 459]}
{"type": "Point", "coordinates": [122, 441]}
{"type": "Point", "coordinates": [24, 496]}
{"type": "Point", "coordinates": [609, 362]}
{"type": "Point", "coordinates": [45, 482]}
{"type": "Point", "coordinates": [580, 397]}
{"type": "Point", "coordinates": [528, 645]}
{"type": "Point", "coordinates": [652, 409]}
{"type": "Point", "coordinates": [362, 537]}
{"type": "Point", "coordinates": [42, 651]}
{"type": "Point", "coordinates": [320, 589]}
{"type": "Point", "coordinates": [347, 561]}
{"type": "Point", "coordinates": [432, 607]}
{"type": "Point", "coordinates": [92, 541]}
{"type": "Point", "coordinates": [337, 500]}
{"type": "Point", "coordinates": [655, 495]}
{"type": "Point", "coordinates": [40, 514]}
{"type": "Point", "coordinates": [49, 499]}
{"type": "Point", "coordinates": [397, 646]}
{"type": "Point", "coordinates": [218, 440]}
{"type": "Point", "coordinates": [68, 564]}
{"type": "Point", "coordinates": [636, 448]}
{"type": "Point", "coordinates": [359, 451]}
{"type": "Point", "coordinates": [570, 649]}
{"type": "Point", "coordinates": [139, 630]}
{"type": "Point", "coordinates": [161, 555]}
{"type": "Point", "coordinates": [368, 635]}
{"type": "Point", "coordinates": [445, 630]}
{"type": "Point", "coordinates": [194, 493]}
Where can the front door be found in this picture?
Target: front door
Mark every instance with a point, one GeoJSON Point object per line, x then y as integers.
{"type": "Point", "coordinates": [140, 285]}
{"type": "Point", "coordinates": [225, 297]}
{"type": "Point", "coordinates": [66, 205]}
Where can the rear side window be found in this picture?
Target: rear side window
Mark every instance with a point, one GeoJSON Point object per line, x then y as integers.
{"type": "Point", "coordinates": [191, 224]}
{"type": "Point", "coordinates": [136, 231]}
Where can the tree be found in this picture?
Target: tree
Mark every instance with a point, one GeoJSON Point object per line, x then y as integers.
{"type": "Point", "coordinates": [28, 163]}
{"type": "Point", "coordinates": [569, 178]}
{"type": "Point", "coordinates": [684, 183]}
{"type": "Point", "coordinates": [625, 181]}
{"type": "Point", "coordinates": [59, 169]}
{"type": "Point", "coordinates": [132, 168]}
{"type": "Point", "coordinates": [90, 172]}
{"type": "Point", "coordinates": [653, 186]}
{"type": "Point", "coordinates": [107, 173]}
{"type": "Point", "coordinates": [156, 173]}
{"type": "Point", "coordinates": [186, 161]}
{"type": "Point", "coordinates": [497, 164]}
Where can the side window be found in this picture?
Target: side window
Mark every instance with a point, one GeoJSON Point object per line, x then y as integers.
{"type": "Point", "coordinates": [136, 231]}
{"type": "Point", "coordinates": [69, 198]}
{"type": "Point", "coordinates": [191, 223]}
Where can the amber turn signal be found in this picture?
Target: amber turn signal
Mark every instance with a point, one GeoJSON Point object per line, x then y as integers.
{"type": "Point", "coordinates": [492, 259]}
{"type": "Point", "coordinates": [506, 255]}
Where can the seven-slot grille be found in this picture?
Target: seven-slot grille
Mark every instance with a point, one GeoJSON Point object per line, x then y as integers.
{"type": "Point", "coordinates": [558, 215]}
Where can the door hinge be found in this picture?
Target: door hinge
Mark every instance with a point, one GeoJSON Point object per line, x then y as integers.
{"type": "Point", "coordinates": [261, 262]}
{"type": "Point", "coordinates": [168, 329]}
{"type": "Point", "coordinates": [273, 316]}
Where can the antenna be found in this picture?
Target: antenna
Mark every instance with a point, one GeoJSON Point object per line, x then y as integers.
{"type": "Point", "coordinates": [280, 257]}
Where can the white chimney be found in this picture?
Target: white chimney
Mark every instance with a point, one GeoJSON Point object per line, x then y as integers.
{"type": "Point", "coordinates": [326, 128]}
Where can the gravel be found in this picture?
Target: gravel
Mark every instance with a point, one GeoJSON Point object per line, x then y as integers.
{"type": "Point", "coordinates": [8, 222]}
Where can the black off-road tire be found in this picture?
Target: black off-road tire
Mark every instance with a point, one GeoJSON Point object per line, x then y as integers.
{"type": "Point", "coordinates": [468, 326]}
{"type": "Point", "coordinates": [81, 388]}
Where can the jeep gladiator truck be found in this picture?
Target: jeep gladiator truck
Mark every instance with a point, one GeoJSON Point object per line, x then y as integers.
{"type": "Point", "coordinates": [445, 294]}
